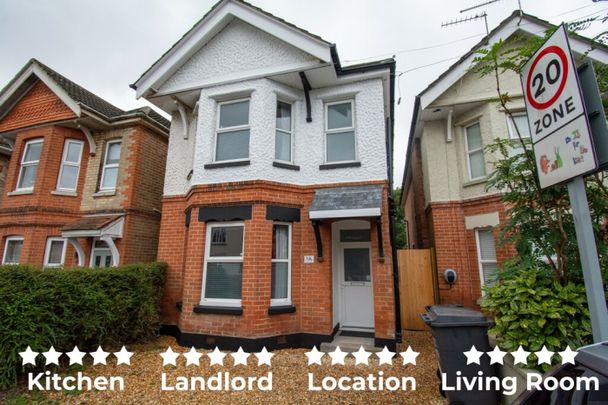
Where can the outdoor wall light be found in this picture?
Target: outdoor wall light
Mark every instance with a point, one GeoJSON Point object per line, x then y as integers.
{"type": "Point", "coordinates": [450, 276]}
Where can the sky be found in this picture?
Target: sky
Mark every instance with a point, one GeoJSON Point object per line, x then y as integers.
{"type": "Point", "coordinates": [106, 45]}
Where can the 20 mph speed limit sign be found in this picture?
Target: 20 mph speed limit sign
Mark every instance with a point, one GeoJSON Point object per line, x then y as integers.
{"type": "Point", "coordinates": [556, 113]}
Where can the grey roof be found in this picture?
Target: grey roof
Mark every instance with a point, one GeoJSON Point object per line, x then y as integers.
{"type": "Point", "coordinates": [347, 198]}
{"type": "Point", "coordinates": [90, 101]}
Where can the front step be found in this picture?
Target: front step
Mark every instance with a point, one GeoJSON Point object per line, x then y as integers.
{"type": "Point", "coordinates": [350, 344]}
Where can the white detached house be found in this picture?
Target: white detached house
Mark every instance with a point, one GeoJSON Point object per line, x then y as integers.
{"type": "Point", "coordinates": [276, 204]}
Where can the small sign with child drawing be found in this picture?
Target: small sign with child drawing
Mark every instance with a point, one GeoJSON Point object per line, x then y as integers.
{"type": "Point", "coordinates": [556, 113]}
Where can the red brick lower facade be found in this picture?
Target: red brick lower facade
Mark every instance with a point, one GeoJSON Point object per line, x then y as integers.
{"type": "Point", "coordinates": [456, 246]}
{"type": "Point", "coordinates": [182, 246]}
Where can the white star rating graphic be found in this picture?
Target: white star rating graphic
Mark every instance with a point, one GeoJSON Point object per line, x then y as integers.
{"type": "Point", "coordinates": [497, 356]}
{"type": "Point", "coordinates": [192, 357]}
{"type": "Point", "coordinates": [169, 357]}
{"type": "Point", "coordinates": [264, 356]}
{"type": "Point", "coordinates": [123, 356]}
{"type": "Point", "coordinates": [240, 357]}
{"type": "Point", "coordinates": [520, 356]}
{"type": "Point", "coordinates": [568, 355]}
{"type": "Point", "coordinates": [544, 355]}
{"type": "Point", "coordinates": [409, 356]}
{"type": "Point", "coordinates": [473, 355]}
{"type": "Point", "coordinates": [314, 356]}
{"type": "Point", "coordinates": [385, 356]}
{"type": "Point", "coordinates": [216, 357]}
{"type": "Point", "coordinates": [28, 356]}
{"type": "Point", "coordinates": [52, 356]}
{"type": "Point", "coordinates": [361, 356]}
{"type": "Point", "coordinates": [99, 356]}
{"type": "Point", "coordinates": [76, 356]}
{"type": "Point", "coordinates": [337, 356]}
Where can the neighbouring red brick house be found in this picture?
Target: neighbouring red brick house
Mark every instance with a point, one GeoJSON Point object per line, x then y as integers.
{"type": "Point", "coordinates": [446, 201]}
{"type": "Point", "coordinates": [276, 209]}
{"type": "Point", "coordinates": [83, 182]}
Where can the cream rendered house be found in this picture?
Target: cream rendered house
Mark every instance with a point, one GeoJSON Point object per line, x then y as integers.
{"type": "Point", "coordinates": [444, 196]}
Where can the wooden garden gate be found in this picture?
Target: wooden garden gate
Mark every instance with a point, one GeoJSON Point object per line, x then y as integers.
{"type": "Point", "coordinates": [417, 285]}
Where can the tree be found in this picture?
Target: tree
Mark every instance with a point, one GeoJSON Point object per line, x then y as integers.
{"type": "Point", "coordinates": [540, 222]}
{"type": "Point", "coordinates": [399, 221]}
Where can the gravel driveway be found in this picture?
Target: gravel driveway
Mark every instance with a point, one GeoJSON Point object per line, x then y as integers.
{"type": "Point", "coordinates": [290, 378]}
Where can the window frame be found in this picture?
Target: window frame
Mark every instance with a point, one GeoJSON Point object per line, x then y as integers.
{"type": "Point", "coordinates": [480, 261]}
{"type": "Point", "coordinates": [283, 301]}
{"type": "Point", "coordinates": [47, 251]}
{"type": "Point", "coordinates": [6, 242]}
{"type": "Point", "coordinates": [219, 130]}
{"type": "Point", "coordinates": [226, 302]}
{"type": "Point", "coordinates": [469, 152]}
{"type": "Point", "coordinates": [104, 249]}
{"type": "Point", "coordinates": [66, 163]}
{"type": "Point", "coordinates": [352, 128]}
{"type": "Point", "coordinates": [511, 125]}
{"type": "Point", "coordinates": [110, 165]}
{"type": "Point", "coordinates": [23, 164]}
{"type": "Point", "coordinates": [290, 132]}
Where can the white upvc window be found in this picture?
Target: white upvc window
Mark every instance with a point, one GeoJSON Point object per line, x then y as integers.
{"type": "Point", "coordinates": [232, 132]}
{"type": "Point", "coordinates": [521, 120]}
{"type": "Point", "coordinates": [12, 250]}
{"type": "Point", "coordinates": [283, 143]}
{"type": "Point", "coordinates": [54, 255]}
{"type": "Point", "coordinates": [486, 256]}
{"type": "Point", "coordinates": [101, 254]}
{"type": "Point", "coordinates": [281, 264]}
{"type": "Point", "coordinates": [29, 165]}
{"type": "Point", "coordinates": [109, 171]}
{"type": "Point", "coordinates": [340, 140]}
{"type": "Point", "coordinates": [70, 165]}
{"type": "Point", "coordinates": [474, 149]}
{"type": "Point", "coordinates": [223, 267]}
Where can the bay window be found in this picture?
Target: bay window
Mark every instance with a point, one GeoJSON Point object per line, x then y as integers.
{"type": "Point", "coordinates": [281, 264]}
{"type": "Point", "coordinates": [70, 165]}
{"type": "Point", "coordinates": [232, 133]}
{"type": "Point", "coordinates": [29, 165]}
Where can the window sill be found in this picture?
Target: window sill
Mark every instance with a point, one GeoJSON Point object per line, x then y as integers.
{"type": "Point", "coordinates": [281, 309]}
{"type": "Point", "coordinates": [287, 166]}
{"type": "Point", "coordinates": [20, 192]}
{"type": "Point", "coordinates": [221, 165]}
{"type": "Point", "coordinates": [108, 193]}
{"type": "Point", "coordinates": [475, 182]}
{"type": "Point", "coordinates": [218, 310]}
{"type": "Point", "coordinates": [65, 193]}
{"type": "Point", "coordinates": [329, 166]}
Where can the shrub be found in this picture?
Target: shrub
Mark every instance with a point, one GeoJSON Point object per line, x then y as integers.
{"type": "Point", "coordinates": [75, 307]}
{"type": "Point", "coordinates": [531, 309]}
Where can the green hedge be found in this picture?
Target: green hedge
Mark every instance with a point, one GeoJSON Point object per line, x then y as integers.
{"type": "Point", "coordinates": [68, 307]}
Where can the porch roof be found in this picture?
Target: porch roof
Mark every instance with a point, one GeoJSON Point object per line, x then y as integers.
{"type": "Point", "coordinates": [97, 225]}
{"type": "Point", "coordinates": [347, 202]}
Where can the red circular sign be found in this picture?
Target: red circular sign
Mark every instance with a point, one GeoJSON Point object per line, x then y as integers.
{"type": "Point", "coordinates": [563, 77]}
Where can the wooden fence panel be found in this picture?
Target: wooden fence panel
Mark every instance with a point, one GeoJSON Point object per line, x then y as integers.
{"type": "Point", "coordinates": [417, 285]}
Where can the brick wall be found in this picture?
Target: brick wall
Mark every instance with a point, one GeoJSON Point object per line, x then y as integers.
{"type": "Point", "coordinates": [183, 249]}
{"type": "Point", "coordinates": [39, 106]}
{"type": "Point", "coordinates": [4, 161]}
{"type": "Point", "coordinates": [456, 246]}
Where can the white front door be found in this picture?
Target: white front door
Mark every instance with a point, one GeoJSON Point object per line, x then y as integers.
{"type": "Point", "coordinates": [355, 286]}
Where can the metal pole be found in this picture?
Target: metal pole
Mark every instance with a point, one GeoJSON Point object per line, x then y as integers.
{"type": "Point", "coordinates": [589, 259]}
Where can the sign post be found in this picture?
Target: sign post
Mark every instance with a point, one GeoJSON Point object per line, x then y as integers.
{"type": "Point", "coordinates": [564, 151]}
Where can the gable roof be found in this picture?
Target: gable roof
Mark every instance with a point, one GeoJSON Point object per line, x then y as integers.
{"type": "Point", "coordinates": [216, 19]}
{"type": "Point", "coordinates": [73, 95]}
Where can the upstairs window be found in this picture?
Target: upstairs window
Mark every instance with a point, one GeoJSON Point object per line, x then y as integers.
{"type": "Point", "coordinates": [70, 165]}
{"type": "Point", "coordinates": [54, 255]}
{"type": "Point", "coordinates": [232, 134]}
{"type": "Point", "coordinates": [282, 142]}
{"type": "Point", "coordinates": [340, 132]}
{"type": "Point", "coordinates": [109, 172]}
{"type": "Point", "coordinates": [12, 250]}
{"type": "Point", "coordinates": [486, 256]}
{"type": "Point", "coordinates": [223, 275]}
{"type": "Point", "coordinates": [29, 165]}
{"type": "Point", "coordinates": [281, 264]}
{"type": "Point", "coordinates": [474, 148]}
{"type": "Point", "coordinates": [521, 120]}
